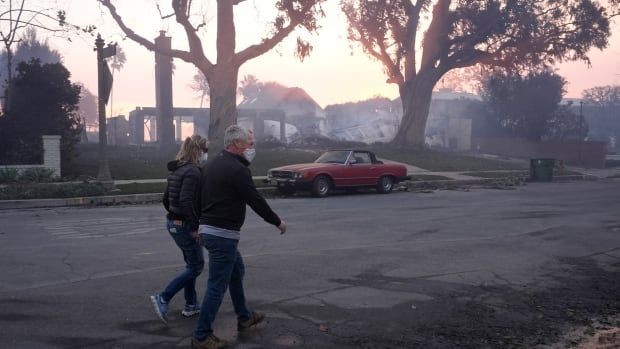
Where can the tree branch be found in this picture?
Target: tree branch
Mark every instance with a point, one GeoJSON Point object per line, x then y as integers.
{"type": "Point", "coordinates": [181, 8]}
{"type": "Point", "coordinates": [183, 55]}
{"type": "Point", "coordinates": [256, 50]}
{"type": "Point", "coordinates": [161, 14]}
{"type": "Point", "coordinates": [395, 76]}
{"type": "Point", "coordinates": [413, 20]}
{"type": "Point", "coordinates": [296, 18]}
{"type": "Point", "coordinates": [436, 35]}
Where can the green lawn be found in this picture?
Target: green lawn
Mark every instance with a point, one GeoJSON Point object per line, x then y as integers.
{"type": "Point", "coordinates": [420, 178]}
{"type": "Point", "coordinates": [442, 161]}
{"type": "Point", "coordinates": [127, 162]}
{"type": "Point", "coordinates": [133, 162]}
{"type": "Point", "coordinates": [146, 162]}
{"type": "Point", "coordinates": [497, 174]}
{"type": "Point", "coordinates": [491, 174]}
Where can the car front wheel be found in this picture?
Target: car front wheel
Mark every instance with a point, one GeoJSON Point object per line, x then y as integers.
{"type": "Point", "coordinates": [385, 185]}
{"type": "Point", "coordinates": [321, 186]}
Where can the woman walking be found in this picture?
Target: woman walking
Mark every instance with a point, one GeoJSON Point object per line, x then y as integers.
{"type": "Point", "coordinates": [180, 200]}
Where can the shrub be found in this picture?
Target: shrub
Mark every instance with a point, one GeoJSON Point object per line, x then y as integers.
{"type": "Point", "coordinates": [8, 175]}
{"type": "Point", "coordinates": [37, 174]}
{"type": "Point", "coordinates": [21, 191]}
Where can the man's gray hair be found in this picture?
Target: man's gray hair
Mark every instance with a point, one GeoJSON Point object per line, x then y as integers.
{"type": "Point", "coordinates": [235, 133]}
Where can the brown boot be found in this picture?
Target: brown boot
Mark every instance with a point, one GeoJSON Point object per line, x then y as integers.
{"type": "Point", "coordinates": [255, 318]}
{"type": "Point", "coordinates": [211, 342]}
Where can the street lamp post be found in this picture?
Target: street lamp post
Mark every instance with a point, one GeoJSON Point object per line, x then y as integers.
{"type": "Point", "coordinates": [581, 135]}
{"type": "Point", "coordinates": [103, 90]}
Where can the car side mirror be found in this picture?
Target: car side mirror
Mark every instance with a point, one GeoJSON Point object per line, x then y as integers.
{"type": "Point", "coordinates": [352, 161]}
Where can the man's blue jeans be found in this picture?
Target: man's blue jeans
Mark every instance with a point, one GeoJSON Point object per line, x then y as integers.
{"type": "Point", "coordinates": [225, 269]}
{"type": "Point", "coordinates": [194, 263]}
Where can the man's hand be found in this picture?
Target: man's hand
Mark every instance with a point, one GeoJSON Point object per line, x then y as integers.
{"type": "Point", "coordinates": [282, 227]}
{"type": "Point", "coordinates": [196, 237]}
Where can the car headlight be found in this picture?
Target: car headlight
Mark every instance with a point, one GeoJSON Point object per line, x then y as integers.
{"type": "Point", "coordinates": [269, 174]}
{"type": "Point", "coordinates": [298, 175]}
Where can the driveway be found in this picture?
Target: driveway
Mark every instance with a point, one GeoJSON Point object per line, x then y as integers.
{"type": "Point", "coordinates": [449, 269]}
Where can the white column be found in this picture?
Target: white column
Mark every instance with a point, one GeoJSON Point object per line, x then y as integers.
{"type": "Point", "coordinates": [179, 128]}
{"type": "Point", "coordinates": [51, 153]}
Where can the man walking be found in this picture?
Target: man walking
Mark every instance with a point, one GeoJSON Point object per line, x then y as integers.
{"type": "Point", "coordinates": [227, 187]}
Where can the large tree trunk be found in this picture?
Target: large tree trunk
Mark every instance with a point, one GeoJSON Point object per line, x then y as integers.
{"type": "Point", "coordinates": [416, 99]}
{"type": "Point", "coordinates": [223, 104]}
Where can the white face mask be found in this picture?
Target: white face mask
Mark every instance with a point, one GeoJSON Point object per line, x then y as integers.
{"type": "Point", "coordinates": [249, 154]}
{"type": "Point", "coordinates": [203, 159]}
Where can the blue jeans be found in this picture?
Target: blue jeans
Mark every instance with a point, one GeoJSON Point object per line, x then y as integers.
{"type": "Point", "coordinates": [194, 263]}
{"type": "Point", "coordinates": [225, 269]}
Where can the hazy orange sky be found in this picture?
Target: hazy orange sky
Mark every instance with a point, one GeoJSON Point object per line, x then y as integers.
{"type": "Point", "coordinates": [334, 73]}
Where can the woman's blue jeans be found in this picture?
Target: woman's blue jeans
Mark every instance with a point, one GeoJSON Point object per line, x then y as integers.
{"type": "Point", "coordinates": [225, 269]}
{"type": "Point", "coordinates": [194, 263]}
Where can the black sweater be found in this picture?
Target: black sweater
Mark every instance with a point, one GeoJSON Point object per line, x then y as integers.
{"type": "Point", "coordinates": [182, 192]}
{"type": "Point", "coordinates": [227, 187]}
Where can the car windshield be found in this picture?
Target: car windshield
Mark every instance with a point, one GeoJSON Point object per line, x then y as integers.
{"type": "Point", "coordinates": [333, 157]}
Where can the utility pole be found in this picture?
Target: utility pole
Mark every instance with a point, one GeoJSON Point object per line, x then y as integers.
{"type": "Point", "coordinates": [581, 135]}
{"type": "Point", "coordinates": [103, 91]}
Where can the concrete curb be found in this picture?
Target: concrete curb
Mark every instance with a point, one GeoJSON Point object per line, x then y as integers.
{"type": "Point", "coordinates": [131, 199]}
{"type": "Point", "coordinates": [270, 192]}
{"type": "Point", "coordinates": [81, 201]}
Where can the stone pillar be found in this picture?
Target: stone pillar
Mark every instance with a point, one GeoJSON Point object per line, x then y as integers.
{"type": "Point", "coordinates": [201, 122]}
{"type": "Point", "coordinates": [163, 92]}
{"type": "Point", "coordinates": [179, 128]}
{"type": "Point", "coordinates": [51, 154]}
{"type": "Point", "coordinates": [258, 124]}
{"type": "Point", "coordinates": [136, 126]}
{"type": "Point", "coordinates": [282, 127]}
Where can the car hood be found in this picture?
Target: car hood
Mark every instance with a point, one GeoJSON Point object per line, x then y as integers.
{"type": "Point", "coordinates": [303, 167]}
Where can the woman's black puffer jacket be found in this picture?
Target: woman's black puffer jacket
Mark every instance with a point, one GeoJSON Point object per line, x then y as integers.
{"type": "Point", "coordinates": [182, 193]}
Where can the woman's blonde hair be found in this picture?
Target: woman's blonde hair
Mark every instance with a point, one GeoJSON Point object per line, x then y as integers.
{"type": "Point", "coordinates": [191, 148]}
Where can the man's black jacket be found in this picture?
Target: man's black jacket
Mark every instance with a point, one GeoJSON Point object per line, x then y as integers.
{"type": "Point", "coordinates": [182, 192]}
{"type": "Point", "coordinates": [227, 187]}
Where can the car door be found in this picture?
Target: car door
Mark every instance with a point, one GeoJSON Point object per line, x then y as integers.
{"type": "Point", "coordinates": [362, 170]}
{"type": "Point", "coordinates": [340, 172]}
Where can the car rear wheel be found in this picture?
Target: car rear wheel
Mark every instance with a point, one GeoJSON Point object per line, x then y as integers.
{"type": "Point", "coordinates": [321, 186]}
{"type": "Point", "coordinates": [385, 185]}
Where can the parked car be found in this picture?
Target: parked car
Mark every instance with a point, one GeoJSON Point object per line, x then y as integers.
{"type": "Point", "coordinates": [337, 169]}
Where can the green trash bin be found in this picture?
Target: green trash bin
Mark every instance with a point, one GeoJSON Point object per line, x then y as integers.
{"type": "Point", "coordinates": [541, 170]}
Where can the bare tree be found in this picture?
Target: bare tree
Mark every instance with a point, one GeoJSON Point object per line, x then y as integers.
{"type": "Point", "coordinates": [222, 75]}
{"type": "Point", "coordinates": [603, 96]}
{"type": "Point", "coordinates": [19, 15]}
{"type": "Point", "coordinates": [462, 33]}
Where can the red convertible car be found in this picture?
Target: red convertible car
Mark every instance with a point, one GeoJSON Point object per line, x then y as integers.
{"type": "Point", "coordinates": [338, 169]}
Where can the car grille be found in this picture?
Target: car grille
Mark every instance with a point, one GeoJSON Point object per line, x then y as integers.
{"type": "Point", "coordinates": [282, 174]}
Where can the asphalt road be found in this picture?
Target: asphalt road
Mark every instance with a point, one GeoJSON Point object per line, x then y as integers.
{"type": "Point", "coordinates": [450, 269]}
